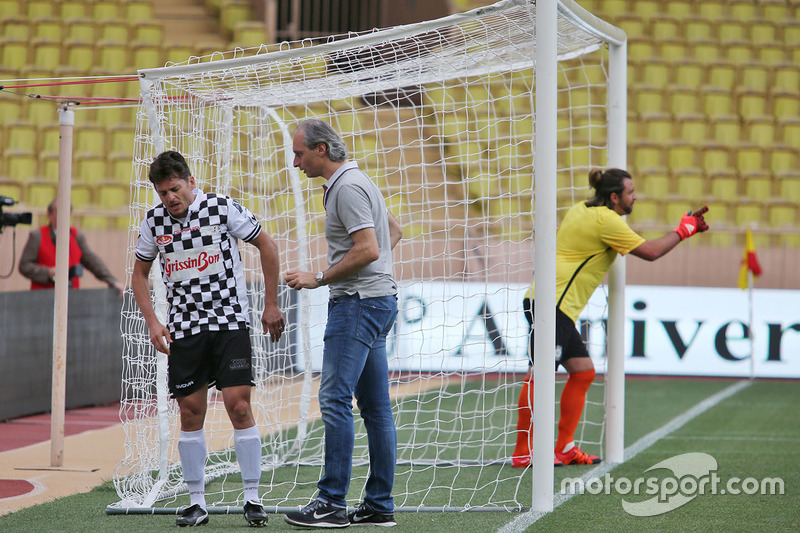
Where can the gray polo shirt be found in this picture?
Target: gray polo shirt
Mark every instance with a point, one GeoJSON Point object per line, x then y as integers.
{"type": "Point", "coordinates": [354, 202]}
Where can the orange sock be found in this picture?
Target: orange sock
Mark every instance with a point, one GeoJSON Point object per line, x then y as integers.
{"type": "Point", "coordinates": [573, 398]}
{"type": "Point", "coordinates": [525, 411]}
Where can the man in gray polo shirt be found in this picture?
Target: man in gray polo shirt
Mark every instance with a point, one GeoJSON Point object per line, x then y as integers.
{"type": "Point", "coordinates": [361, 234]}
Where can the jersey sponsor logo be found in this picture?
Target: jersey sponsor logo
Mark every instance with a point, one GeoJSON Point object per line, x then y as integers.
{"type": "Point", "coordinates": [164, 240]}
{"type": "Point", "coordinates": [191, 264]}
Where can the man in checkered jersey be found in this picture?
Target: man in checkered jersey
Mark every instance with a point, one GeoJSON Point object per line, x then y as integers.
{"type": "Point", "coordinates": [207, 339]}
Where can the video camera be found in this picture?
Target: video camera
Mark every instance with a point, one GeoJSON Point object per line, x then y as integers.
{"type": "Point", "coordinates": [12, 219]}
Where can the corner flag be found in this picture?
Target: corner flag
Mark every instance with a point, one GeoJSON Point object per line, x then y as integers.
{"type": "Point", "coordinates": [749, 261]}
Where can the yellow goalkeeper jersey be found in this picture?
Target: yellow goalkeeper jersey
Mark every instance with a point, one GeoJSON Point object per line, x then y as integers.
{"type": "Point", "coordinates": [588, 241]}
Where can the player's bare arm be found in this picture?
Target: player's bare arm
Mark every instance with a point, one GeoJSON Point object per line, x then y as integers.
{"type": "Point", "coordinates": [365, 250]}
{"type": "Point", "coordinates": [691, 223]}
{"type": "Point", "coordinates": [272, 318]}
{"type": "Point", "coordinates": [159, 333]}
{"type": "Point", "coordinates": [395, 230]}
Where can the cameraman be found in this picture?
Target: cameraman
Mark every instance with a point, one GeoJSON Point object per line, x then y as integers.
{"type": "Point", "coordinates": [38, 261]}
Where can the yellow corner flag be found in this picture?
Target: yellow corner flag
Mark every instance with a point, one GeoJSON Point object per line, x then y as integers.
{"type": "Point", "coordinates": [749, 261]}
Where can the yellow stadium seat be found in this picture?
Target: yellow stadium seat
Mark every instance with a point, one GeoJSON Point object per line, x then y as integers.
{"type": "Point", "coordinates": [748, 214]}
{"type": "Point", "coordinates": [724, 185]}
{"type": "Point", "coordinates": [749, 157]}
{"type": "Point", "coordinates": [717, 101]}
{"type": "Point", "coordinates": [14, 54]}
{"type": "Point", "coordinates": [786, 77]}
{"type": "Point", "coordinates": [656, 126]}
{"type": "Point", "coordinates": [81, 29]}
{"type": "Point", "coordinates": [689, 73]}
{"type": "Point", "coordinates": [232, 12]}
{"type": "Point", "coordinates": [738, 51]}
{"type": "Point", "coordinates": [725, 129]}
{"type": "Point", "coordinates": [106, 10]}
{"type": "Point", "coordinates": [682, 156]}
{"type": "Point", "coordinates": [684, 100]}
{"type": "Point", "coordinates": [692, 127]}
{"type": "Point", "coordinates": [656, 71]}
{"type": "Point", "coordinates": [148, 32]}
{"type": "Point", "coordinates": [674, 49]}
{"type": "Point", "coordinates": [113, 195]}
{"type": "Point", "coordinates": [40, 193]}
{"type": "Point", "coordinates": [786, 103]}
{"type": "Point", "coordinates": [46, 53]}
{"type": "Point", "coordinates": [49, 29]}
{"type": "Point", "coordinates": [653, 182]}
{"type": "Point", "coordinates": [712, 9]}
{"type": "Point", "coordinates": [16, 27]}
{"type": "Point", "coordinates": [758, 185]}
{"type": "Point", "coordinates": [760, 130]}
{"type": "Point", "coordinates": [114, 31]}
{"type": "Point", "coordinates": [640, 48]}
{"type": "Point", "coordinates": [753, 76]}
{"type": "Point", "coordinates": [783, 157]}
{"type": "Point", "coordinates": [11, 8]}
{"type": "Point", "coordinates": [781, 213]}
{"type": "Point", "coordinates": [665, 27]}
{"type": "Point", "coordinates": [13, 188]}
{"type": "Point", "coordinates": [113, 56]}
{"type": "Point", "coordinates": [49, 166]}
{"type": "Point", "coordinates": [789, 130]}
{"type": "Point", "coordinates": [633, 24]}
{"type": "Point", "coordinates": [20, 163]}
{"type": "Point", "coordinates": [74, 9]}
{"type": "Point", "coordinates": [146, 55]}
{"type": "Point", "coordinates": [80, 55]}
{"type": "Point", "coordinates": [706, 51]}
{"type": "Point", "coordinates": [138, 10]}
{"type": "Point", "coordinates": [750, 103]}
{"type": "Point", "coordinates": [732, 30]}
{"type": "Point", "coordinates": [691, 184]}
{"type": "Point", "coordinates": [717, 158]}
{"type": "Point", "coordinates": [11, 109]}
{"type": "Point", "coordinates": [722, 74]}
{"type": "Point", "coordinates": [697, 28]}
{"type": "Point", "coordinates": [789, 185]}
{"type": "Point", "coordinates": [89, 137]}
{"type": "Point", "coordinates": [646, 97]}
{"type": "Point", "coordinates": [89, 167]}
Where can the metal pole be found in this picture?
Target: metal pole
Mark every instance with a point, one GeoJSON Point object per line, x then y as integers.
{"type": "Point", "coordinates": [545, 168]}
{"type": "Point", "coordinates": [66, 120]}
{"type": "Point", "coordinates": [617, 158]}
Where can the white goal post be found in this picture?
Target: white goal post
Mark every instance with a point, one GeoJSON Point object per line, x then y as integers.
{"type": "Point", "coordinates": [441, 114]}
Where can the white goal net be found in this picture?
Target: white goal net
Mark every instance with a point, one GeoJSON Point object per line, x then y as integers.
{"type": "Point", "coordinates": [441, 115]}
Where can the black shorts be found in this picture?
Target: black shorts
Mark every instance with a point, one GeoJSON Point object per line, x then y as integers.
{"type": "Point", "coordinates": [569, 343]}
{"type": "Point", "coordinates": [210, 358]}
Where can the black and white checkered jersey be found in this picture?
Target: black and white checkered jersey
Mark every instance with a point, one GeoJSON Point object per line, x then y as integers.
{"type": "Point", "coordinates": [200, 262]}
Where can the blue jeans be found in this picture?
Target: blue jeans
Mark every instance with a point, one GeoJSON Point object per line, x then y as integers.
{"type": "Point", "coordinates": [354, 362]}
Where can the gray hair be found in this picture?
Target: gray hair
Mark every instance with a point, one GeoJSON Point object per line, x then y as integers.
{"type": "Point", "coordinates": [317, 132]}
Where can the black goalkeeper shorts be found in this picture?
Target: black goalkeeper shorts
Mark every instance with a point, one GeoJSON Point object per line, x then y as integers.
{"type": "Point", "coordinates": [210, 358]}
{"type": "Point", "coordinates": [569, 343]}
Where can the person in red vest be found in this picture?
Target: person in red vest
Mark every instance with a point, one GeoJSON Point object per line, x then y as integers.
{"type": "Point", "coordinates": [38, 260]}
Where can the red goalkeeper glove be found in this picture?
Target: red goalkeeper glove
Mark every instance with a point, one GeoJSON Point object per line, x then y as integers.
{"type": "Point", "coordinates": [692, 223]}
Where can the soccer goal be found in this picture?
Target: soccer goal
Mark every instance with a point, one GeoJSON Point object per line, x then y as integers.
{"type": "Point", "coordinates": [441, 115]}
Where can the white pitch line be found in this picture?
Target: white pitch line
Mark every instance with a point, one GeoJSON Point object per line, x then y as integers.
{"type": "Point", "coordinates": [525, 520]}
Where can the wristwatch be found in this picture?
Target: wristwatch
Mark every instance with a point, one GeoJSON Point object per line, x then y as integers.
{"type": "Point", "coordinates": [319, 277]}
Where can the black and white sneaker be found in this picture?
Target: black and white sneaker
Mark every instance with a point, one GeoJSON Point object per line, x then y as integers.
{"type": "Point", "coordinates": [193, 516]}
{"type": "Point", "coordinates": [365, 515]}
{"type": "Point", "coordinates": [255, 514]}
{"type": "Point", "coordinates": [318, 514]}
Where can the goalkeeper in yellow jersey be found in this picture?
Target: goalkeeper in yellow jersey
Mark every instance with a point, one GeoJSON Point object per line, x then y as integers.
{"type": "Point", "coordinates": [588, 241]}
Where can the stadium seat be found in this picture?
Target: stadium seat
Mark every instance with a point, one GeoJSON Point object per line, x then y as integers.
{"type": "Point", "coordinates": [691, 183]}
{"type": "Point", "coordinates": [684, 100]}
{"type": "Point", "coordinates": [682, 156]}
{"type": "Point", "coordinates": [19, 28]}
{"type": "Point", "coordinates": [89, 167]}
{"type": "Point", "coordinates": [49, 29]}
{"type": "Point", "coordinates": [233, 12]}
{"type": "Point", "coordinates": [789, 130]}
{"type": "Point", "coordinates": [760, 130]}
{"type": "Point", "coordinates": [749, 157]}
{"type": "Point", "coordinates": [13, 188]}
{"type": "Point", "coordinates": [763, 32]}
{"type": "Point", "coordinates": [40, 193]}
{"type": "Point", "coordinates": [782, 214]}
{"type": "Point", "coordinates": [147, 32]}
{"type": "Point", "coordinates": [731, 30]}
{"type": "Point", "coordinates": [46, 53]}
{"type": "Point", "coordinates": [113, 57]}
{"type": "Point", "coordinates": [748, 214]}
{"type": "Point", "coordinates": [688, 72]}
{"type": "Point", "coordinates": [789, 185]}
{"type": "Point", "coordinates": [11, 8]}
{"type": "Point", "coordinates": [750, 103]}
{"type": "Point", "coordinates": [655, 71]}
{"type": "Point", "coordinates": [113, 195]}
{"type": "Point", "coordinates": [725, 129]}
{"type": "Point", "coordinates": [724, 185]}
{"type": "Point", "coordinates": [14, 54]}
{"type": "Point", "coordinates": [786, 77]}
{"type": "Point", "coordinates": [786, 103]}
{"type": "Point", "coordinates": [80, 54]}
{"type": "Point", "coordinates": [717, 101]}
{"type": "Point", "coordinates": [653, 182]}
{"type": "Point", "coordinates": [697, 28]}
{"type": "Point", "coordinates": [758, 185]}
{"type": "Point", "coordinates": [755, 76]}
{"type": "Point", "coordinates": [783, 157]}
{"type": "Point", "coordinates": [721, 74]}
{"type": "Point", "coordinates": [81, 29]}
{"type": "Point", "coordinates": [103, 10]}
{"type": "Point", "coordinates": [74, 9]}
{"type": "Point", "coordinates": [738, 51]}
{"type": "Point", "coordinates": [692, 127]}
{"type": "Point", "coordinates": [712, 9]}
{"type": "Point", "coordinates": [115, 31]}
{"type": "Point", "coordinates": [705, 51]}
{"type": "Point", "coordinates": [717, 157]}
{"type": "Point", "coordinates": [665, 27]}
{"type": "Point", "coordinates": [49, 166]}
{"type": "Point", "coordinates": [146, 55]}
{"type": "Point", "coordinates": [138, 10]}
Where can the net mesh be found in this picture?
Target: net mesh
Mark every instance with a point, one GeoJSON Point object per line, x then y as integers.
{"type": "Point", "coordinates": [441, 116]}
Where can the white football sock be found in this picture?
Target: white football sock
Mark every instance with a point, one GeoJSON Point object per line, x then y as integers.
{"type": "Point", "coordinates": [192, 451]}
{"type": "Point", "coordinates": [247, 443]}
